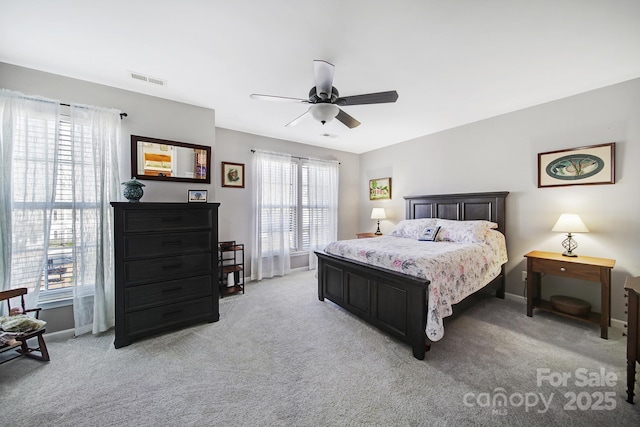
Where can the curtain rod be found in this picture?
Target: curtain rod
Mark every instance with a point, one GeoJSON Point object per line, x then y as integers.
{"type": "Point", "coordinates": [122, 115]}
{"type": "Point", "coordinates": [296, 157]}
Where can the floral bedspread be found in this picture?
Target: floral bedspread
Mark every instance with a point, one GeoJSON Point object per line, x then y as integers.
{"type": "Point", "coordinates": [455, 270]}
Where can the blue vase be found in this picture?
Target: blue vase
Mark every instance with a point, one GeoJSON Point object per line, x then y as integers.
{"type": "Point", "coordinates": [133, 190]}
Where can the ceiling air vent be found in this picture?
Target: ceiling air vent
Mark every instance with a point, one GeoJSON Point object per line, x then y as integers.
{"type": "Point", "coordinates": [148, 79]}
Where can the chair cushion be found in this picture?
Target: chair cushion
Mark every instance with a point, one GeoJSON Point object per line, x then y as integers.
{"type": "Point", "coordinates": [20, 323]}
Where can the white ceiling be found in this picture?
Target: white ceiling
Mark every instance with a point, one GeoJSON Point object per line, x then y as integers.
{"type": "Point", "coordinates": [452, 61]}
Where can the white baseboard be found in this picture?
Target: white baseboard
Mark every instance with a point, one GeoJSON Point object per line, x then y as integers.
{"type": "Point", "coordinates": [60, 335]}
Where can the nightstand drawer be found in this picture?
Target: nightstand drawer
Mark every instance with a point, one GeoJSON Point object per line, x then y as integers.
{"type": "Point", "coordinates": [567, 269]}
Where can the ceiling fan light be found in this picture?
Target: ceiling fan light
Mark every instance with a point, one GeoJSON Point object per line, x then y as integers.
{"type": "Point", "coordinates": [324, 112]}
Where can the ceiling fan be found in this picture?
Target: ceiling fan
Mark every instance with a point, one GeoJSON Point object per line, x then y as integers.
{"type": "Point", "coordinates": [325, 98]}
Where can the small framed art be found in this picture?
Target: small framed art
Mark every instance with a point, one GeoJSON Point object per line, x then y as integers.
{"type": "Point", "coordinates": [197, 196]}
{"type": "Point", "coordinates": [589, 165]}
{"type": "Point", "coordinates": [233, 174]}
{"type": "Point", "coordinates": [379, 188]}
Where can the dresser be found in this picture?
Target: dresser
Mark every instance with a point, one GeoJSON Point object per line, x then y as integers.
{"type": "Point", "coordinates": [166, 267]}
{"type": "Point", "coordinates": [632, 286]}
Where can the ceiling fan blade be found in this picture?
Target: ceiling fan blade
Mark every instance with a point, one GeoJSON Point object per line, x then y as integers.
{"type": "Point", "coordinates": [347, 120]}
{"type": "Point", "coordinates": [298, 119]}
{"type": "Point", "coordinates": [277, 98]}
{"type": "Point", "coordinates": [369, 98]}
{"type": "Point", "coordinates": [324, 78]}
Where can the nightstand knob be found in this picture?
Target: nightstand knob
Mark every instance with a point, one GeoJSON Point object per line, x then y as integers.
{"type": "Point", "coordinates": [563, 269]}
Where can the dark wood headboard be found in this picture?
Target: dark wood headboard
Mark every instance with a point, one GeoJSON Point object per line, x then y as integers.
{"type": "Point", "coordinates": [460, 207]}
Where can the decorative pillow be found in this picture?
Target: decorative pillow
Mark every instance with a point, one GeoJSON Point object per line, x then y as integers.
{"type": "Point", "coordinates": [412, 228]}
{"type": "Point", "coordinates": [464, 231]}
{"type": "Point", "coordinates": [429, 234]}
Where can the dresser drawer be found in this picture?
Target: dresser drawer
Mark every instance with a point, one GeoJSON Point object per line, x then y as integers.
{"type": "Point", "coordinates": [144, 322]}
{"type": "Point", "coordinates": [146, 296]}
{"type": "Point", "coordinates": [166, 220]}
{"type": "Point", "coordinates": [154, 245]}
{"type": "Point", "coordinates": [568, 269]}
{"type": "Point", "coordinates": [167, 268]}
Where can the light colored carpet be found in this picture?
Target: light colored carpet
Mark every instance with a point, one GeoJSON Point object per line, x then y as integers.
{"type": "Point", "coordinates": [280, 357]}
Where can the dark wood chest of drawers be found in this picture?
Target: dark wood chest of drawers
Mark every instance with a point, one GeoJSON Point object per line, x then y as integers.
{"type": "Point", "coordinates": [632, 286]}
{"type": "Point", "coordinates": [165, 267]}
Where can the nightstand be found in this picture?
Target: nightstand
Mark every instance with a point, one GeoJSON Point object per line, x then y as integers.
{"type": "Point", "coordinates": [581, 267]}
{"type": "Point", "coordinates": [367, 235]}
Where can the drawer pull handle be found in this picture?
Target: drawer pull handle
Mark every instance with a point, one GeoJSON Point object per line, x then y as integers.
{"type": "Point", "coordinates": [563, 269]}
{"type": "Point", "coordinates": [172, 243]}
{"type": "Point", "coordinates": [172, 313]}
{"type": "Point", "coordinates": [176, 289]}
{"type": "Point", "coordinates": [171, 266]}
{"type": "Point", "coordinates": [171, 219]}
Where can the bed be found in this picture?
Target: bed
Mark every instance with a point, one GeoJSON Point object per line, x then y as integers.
{"type": "Point", "coordinates": [397, 302]}
{"type": "Point", "coordinates": [157, 164]}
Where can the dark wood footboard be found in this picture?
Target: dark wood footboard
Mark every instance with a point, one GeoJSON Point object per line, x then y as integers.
{"type": "Point", "coordinates": [393, 302]}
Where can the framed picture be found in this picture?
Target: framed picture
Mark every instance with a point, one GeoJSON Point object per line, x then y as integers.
{"type": "Point", "coordinates": [379, 188]}
{"type": "Point", "coordinates": [590, 165]}
{"type": "Point", "coordinates": [197, 196]}
{"type": "Point", "coordinates": [233, 175]}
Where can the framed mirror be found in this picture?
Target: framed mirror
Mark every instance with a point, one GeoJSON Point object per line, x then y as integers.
{"type": "Point", "coordinates": [163, 160]}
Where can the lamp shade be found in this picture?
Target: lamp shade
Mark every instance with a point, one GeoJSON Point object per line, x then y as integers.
{"type": "Point", "coordinates": [378, 213]}
{"type": "Point", "coordinates": [570, 223]}
{"type": "Point", "coordinates": [324, 112]}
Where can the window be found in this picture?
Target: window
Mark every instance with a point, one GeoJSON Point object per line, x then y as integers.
{"type": "Point", "coordinates": [56, 275]}
{"type": "Point", "coordinates": [56, 228]}
{"type": "Point", "coordinates": [278, 213]}
{"type": "Point", "coordinates": [67, 207]}
{"type": "Point", "coordinates": [295, 210]}
{"type": "Point", "coordinates": [290, 212]}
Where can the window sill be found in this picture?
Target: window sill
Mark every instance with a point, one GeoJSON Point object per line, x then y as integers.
{"type": "Point", "coordinates": [299, 253]}
{"type": "Point", "coordinates": [55, 303]}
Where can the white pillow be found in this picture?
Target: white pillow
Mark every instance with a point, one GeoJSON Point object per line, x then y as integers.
{"type": "Point", "coordinates": [480, 223]}
{"type": "Point", "coordinates": [464, 231]}
{"type": "Point", "coordinates": [412, 228]}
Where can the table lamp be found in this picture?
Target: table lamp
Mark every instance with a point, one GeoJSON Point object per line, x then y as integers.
{"type": "Point", "coordinates": [378, 213]}
{"type": "Point", "coordinates": [570, 223]}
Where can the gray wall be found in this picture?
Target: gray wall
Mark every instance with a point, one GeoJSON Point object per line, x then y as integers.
{"type": "Point", "coordinates": [501, 154]}
{"type": "Point", "coordinates": [160, 118]}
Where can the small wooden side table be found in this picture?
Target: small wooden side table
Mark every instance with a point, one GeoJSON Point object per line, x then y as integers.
{"type": "Point", "coordinates": [580, 267]}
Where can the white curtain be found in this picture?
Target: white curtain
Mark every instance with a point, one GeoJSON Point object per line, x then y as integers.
{"type": "Point", "coordinates": [95, 147]}
{"type": "Point", "coordinates": [274, 189]}
{"type": "Point", "coordinates": [30, 129]}
{"type": "Point", "coordinates": [56, 164]}
{"type": "Point", "coordinates": [323, 206]}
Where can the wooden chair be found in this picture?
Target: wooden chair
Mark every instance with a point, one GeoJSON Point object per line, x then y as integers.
{"type": "Point", "coordinates": [22, 347]}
